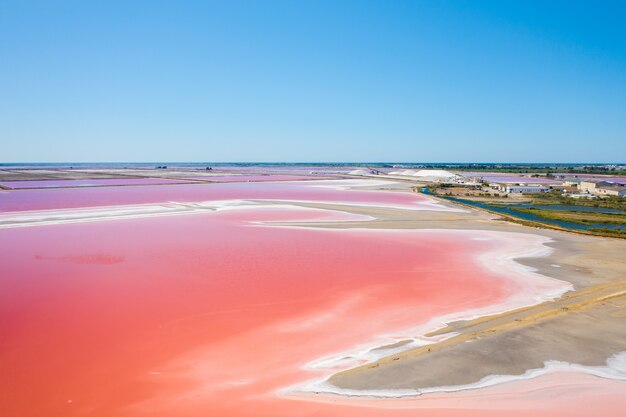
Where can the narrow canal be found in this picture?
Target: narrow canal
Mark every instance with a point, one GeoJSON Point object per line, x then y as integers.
{"type": "Point", "coordinates": [508, 209]}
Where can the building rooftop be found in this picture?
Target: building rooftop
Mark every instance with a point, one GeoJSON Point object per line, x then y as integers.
{"type": "Point", "coordinates": [598, 182]}
{"type": "Point", "coordinates": [612, 186]}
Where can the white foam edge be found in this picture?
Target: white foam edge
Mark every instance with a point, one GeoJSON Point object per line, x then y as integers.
{"type": "Point", "coordinates": [615, 369]}
{"type": "Point", "coordinates": [505, 257]}
{"type": "Point", "coordinates": [92, 214]}
{"type": "Point", "coordinates": [431, 205]}
{"type": "Point", "coordinates": [351, 184]}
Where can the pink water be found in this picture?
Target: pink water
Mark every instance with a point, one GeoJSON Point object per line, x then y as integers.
{"type": "Point", "coordinates": [505, 177]}
{"type": "Point", "coordinates": [210, 315]}
{"type": "Point", "coordinates": [89, 183]}
{"type": "Point", "coordinates": [255, 178]}
{"type": "Point", "coordinates": [619, 180]}
{"type": "Point", "coordinates": [107, 196]}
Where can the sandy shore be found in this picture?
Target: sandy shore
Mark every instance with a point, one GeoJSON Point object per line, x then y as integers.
{"type": "Point", "coordinates": [582, 330]}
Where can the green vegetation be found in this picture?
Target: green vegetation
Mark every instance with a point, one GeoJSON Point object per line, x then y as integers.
{"type": "Point", "coordinates": [575, 216]}
{"type": "Point", "coordinates": [599, 231]}
{"type": "Point", "coordinates": [549, 169]}
{"type": "Point", "coordinates": [609, 233]}
{"type": "Point", "coordinates": [454, 190]}
{"type": "Point", "coordinates": [585, 218]}
{"type": "Point", "coordinates": [556, 197]}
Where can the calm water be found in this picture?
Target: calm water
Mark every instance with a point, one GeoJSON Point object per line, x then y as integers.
{"type": "Point", "coordinates": [507, 209]}
{"type": "Point", "coordinates": [212, 314]}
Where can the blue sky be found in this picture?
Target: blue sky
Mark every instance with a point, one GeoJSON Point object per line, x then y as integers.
{"type": "Point", "coordinates": [526, 81]}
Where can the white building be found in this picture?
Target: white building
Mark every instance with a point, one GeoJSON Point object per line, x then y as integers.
{"type": "Point", "coordinates": [526, 189]}
{"type": "Point", "coordinates": [572, 182]}
{"type": "Point", "coordinates": [589, 186]}
{"type": "Point", "coordinates": [613, 189]}
{"type": "Point", "coordinates": [602, 188]}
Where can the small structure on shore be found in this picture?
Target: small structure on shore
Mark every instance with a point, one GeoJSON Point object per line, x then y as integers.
{"type": "Point", "coordinates": [613, 189]}
{"type": "Point", "coordinates": [519, 188]}
{"type": "Point", "coordinates": [602, 188]}
{"type": "Point", "coordinates": [526, 189]}
{"type": "Point", "coordinates": [589, 186]}
{"type": "Point", "coordinates": [572, 182]}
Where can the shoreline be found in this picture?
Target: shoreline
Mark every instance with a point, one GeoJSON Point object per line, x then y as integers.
{"type": "Point", "coordinates": [570, 260]}
{"type": "Point", "coordinates": [523, 222]}
{"type": "Point", "coordinates": [589, 272]}
{"type": "Point", "coordinates": [426, 335]}
{"type": "Point", "coordinates": [614, 369]}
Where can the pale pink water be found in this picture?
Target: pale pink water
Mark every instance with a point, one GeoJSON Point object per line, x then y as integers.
{"type": "Point", "coordinates": [619, 180]}
{"type": "Point", "coordinates": [98, 182]}
{"type": "Point", "coordinates": [255, 178]}
{"type": "Point", "coordinates": [210, 315]}
{"type": "Point", "coordinates": [505, 177]}
{"type": "Point", "coordinates": [107, 196]}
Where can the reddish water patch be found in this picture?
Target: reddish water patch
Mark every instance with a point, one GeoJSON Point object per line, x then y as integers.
{"type": "Point", "coordinates": [210, 314]}
{"type": "Point", "coordinates": [203, 285]}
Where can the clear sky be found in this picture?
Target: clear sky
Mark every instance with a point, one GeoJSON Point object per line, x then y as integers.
{"type": "Point", "coordinates": [510, 81]}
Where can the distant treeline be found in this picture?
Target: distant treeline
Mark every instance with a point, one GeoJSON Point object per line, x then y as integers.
{"type": "Point", "coordinates": [525, 168]}
{"type": "Point", "coordinates": [531, 168]}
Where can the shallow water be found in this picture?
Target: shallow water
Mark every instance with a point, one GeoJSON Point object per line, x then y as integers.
{"type": "Point", "coordinates": [213, 314]}
{"type": "Point", "coordinates": [97, 182]}
{"type": "Point", "coordinates": [254, 178]}
{"type": "Point", "coordinates": [320, 191]}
